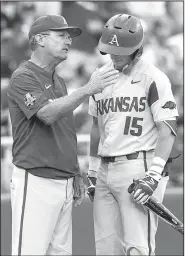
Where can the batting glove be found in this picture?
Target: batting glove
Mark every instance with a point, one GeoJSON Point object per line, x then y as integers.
{"type": "Point", "coordinates": [91, 187]}
{"type": "Point", "coordinates": [143, 189]}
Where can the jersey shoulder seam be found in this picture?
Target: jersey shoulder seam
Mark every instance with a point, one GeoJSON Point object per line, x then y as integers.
{"type": "Point", "coordinates": [22, 72]}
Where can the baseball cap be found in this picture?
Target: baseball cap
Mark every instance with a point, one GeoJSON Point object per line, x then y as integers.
{"type": "Point", "coordinates": [52, 22]}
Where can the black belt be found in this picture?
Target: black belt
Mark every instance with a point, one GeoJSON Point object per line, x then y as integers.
{"type": "Point", "coordinates": [109, 159]}
{"type": "Point", "coordinates": [132, 156]}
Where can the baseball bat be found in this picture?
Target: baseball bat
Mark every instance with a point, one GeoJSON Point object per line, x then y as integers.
{"type": "Point", "coordinates": [164, 213]}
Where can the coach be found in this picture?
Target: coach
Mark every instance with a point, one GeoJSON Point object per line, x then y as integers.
{"type": "Point", "coordinates": [46, 176]}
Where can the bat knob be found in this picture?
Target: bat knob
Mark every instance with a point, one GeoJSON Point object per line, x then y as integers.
{"type": "Point", "coordinates": [131, 187]}
{"type": "Point", "coordinates": [181, 229]}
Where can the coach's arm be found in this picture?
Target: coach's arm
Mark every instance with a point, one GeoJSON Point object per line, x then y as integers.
{"type": "Point", "coordinates": [57, 109]}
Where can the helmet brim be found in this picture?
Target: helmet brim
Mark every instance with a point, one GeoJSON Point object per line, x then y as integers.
{"type": "Point", "coordinates": [111, 49]}
{"type": "Point", "coordinates": [73, 31]}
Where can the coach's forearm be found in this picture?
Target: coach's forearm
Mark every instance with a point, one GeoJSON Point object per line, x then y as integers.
{"type": "Point", "coordinates": [53, 111]}
{"type": "Point", "coordinates": [57, 109]}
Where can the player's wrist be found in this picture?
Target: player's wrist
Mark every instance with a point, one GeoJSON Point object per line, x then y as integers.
{"type": "Point", "coordinates": [156, 168]}
{"type": "Point", "coordinates": [154, 175]}
{"type": "Point", "coordinates": [94, 163]}
{"type": "Point", "coordinates": [92, 173]}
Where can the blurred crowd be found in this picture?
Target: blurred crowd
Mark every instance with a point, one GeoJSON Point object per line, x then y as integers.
{"type": "Point", "coordinates": [163, 46]}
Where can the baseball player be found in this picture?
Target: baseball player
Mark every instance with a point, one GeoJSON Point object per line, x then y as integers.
{"type": "Point", "coordinates": [133, 130]}
{"type": "Point", "coordinates": [46, 177]}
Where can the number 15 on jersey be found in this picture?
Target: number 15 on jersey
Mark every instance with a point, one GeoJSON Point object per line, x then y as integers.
{"type": "Point", "coordinates": [133, 125]}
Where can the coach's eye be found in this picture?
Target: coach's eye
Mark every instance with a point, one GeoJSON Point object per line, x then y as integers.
{"type": "Point", "coordinates": [66, 37]}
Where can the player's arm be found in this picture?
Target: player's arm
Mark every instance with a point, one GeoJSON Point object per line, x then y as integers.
{"type": "Point", "coordinates": [146, 186]}
{"type": "Point", "coordinates": [164, 111]}
{"type": "Point", "coordinates": [55, 110]}
{"type": "Point", "coordinates": [166, 138]}
{"type": "Point", "coordinates": [94, 160]}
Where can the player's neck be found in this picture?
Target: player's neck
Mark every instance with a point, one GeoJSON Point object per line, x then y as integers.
{"type": "Point", "coordinates": [128, 67]}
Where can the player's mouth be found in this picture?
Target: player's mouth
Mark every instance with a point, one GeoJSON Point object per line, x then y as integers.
{"type": "Point", "coordinates": [117, 60]}
{"type": "Point", "coordinates": [118, 63]}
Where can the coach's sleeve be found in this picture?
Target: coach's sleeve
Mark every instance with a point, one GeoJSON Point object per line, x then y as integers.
{"type": "Point", "coordinates": [161, 99]}
{"type": "Point", "coordinates": [92, 106]}
{"type": "Point", "coordinates": [27, 93]}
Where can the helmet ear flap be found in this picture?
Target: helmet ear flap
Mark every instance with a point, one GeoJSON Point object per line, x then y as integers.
{"type": "Point", "coordinates": [137, 54]}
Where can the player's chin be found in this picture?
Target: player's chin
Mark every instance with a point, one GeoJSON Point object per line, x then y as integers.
{"type": "Point", "coordinates": [119, 65]}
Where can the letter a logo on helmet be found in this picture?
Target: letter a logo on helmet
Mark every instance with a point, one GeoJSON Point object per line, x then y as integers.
{"type": "Point", "coordinates": [121, 35]}
{"type": "Point", "coordinates": [114, 40]}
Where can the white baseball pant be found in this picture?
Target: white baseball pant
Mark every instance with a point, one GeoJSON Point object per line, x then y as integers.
{"type": "Point", "coordinates": [123, 227]}
{"type": "Point", "coordinates": [41, 214]}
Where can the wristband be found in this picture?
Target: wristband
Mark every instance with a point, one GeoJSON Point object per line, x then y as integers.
{"type": "Point", "coordinates": [92, 173]}
{"type": "Point", "coordinates": [94, 163]}
{"type": "Point", "coordinates": [157, 164]}
{"type": "Point", "coordinates": [156, 168]}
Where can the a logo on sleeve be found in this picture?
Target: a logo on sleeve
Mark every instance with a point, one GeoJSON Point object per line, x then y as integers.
{"type": "Point", "coordinates": [29, 99]}
{"type": "Point", "coordinates": [169, 104]}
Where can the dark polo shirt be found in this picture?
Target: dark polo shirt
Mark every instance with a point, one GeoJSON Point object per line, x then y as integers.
{"type": "Point", "coordinates": [48, 151]}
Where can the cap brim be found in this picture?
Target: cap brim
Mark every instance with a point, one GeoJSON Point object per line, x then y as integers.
{"type": "Point", "coordinates": [73, 31]}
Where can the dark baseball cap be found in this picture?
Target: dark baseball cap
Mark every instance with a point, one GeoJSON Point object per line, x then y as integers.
{"type": "Point", "coordinates": [52, 22]}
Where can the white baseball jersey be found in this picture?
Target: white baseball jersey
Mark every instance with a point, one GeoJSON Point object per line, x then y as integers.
{"type": "Point", "coordinates": [127, 111]}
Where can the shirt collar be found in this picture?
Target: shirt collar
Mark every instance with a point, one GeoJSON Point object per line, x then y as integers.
{"type": "Point", "coordinates": [41, 71]}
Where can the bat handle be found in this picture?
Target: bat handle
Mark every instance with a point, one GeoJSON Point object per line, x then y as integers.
{"type": "Point", "coordinates": [89, 182]}
{"type": "Point", "coordinates": [131, 187]}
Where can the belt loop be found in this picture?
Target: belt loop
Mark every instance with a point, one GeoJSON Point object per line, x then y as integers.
{"type": "Point", "coordinates": [145, 163]}
{"type": "Point", "coordinates": [144, 155]}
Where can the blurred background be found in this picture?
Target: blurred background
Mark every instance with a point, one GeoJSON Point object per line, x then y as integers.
{"type": "Point", "coordinates": [163, 46]}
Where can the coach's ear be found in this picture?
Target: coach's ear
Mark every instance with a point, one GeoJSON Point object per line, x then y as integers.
{"type": "Point", "coordinates": [40, 39]}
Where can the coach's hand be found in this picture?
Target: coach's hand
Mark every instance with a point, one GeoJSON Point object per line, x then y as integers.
{"type": "Point", "coordinates": [101, 78]}
{"type": "Point", "coordinates": [79, 190]}
{"type": "Point", "coordinates": [143, 189]}
{"type": "Point", "coordinates": [91, 187]}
